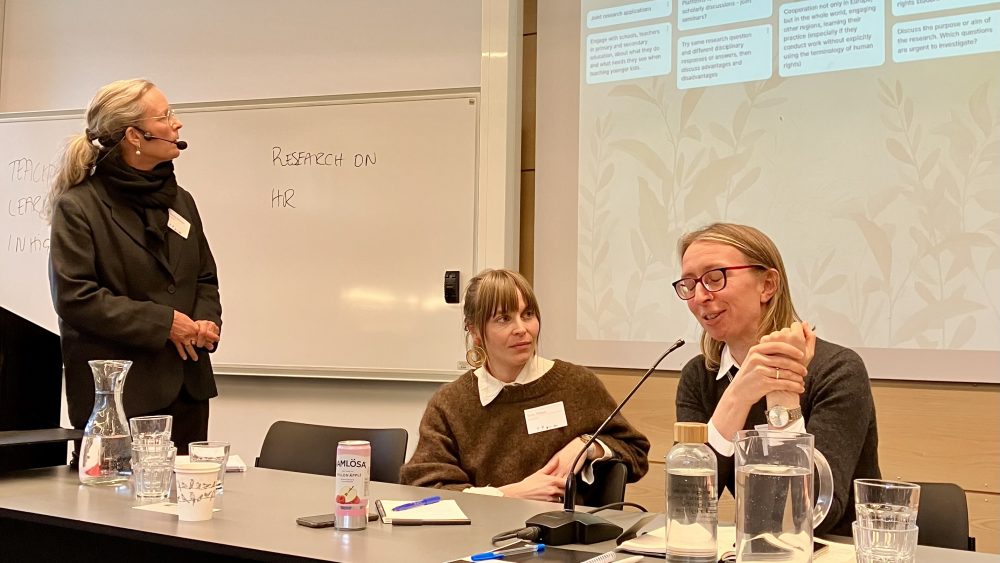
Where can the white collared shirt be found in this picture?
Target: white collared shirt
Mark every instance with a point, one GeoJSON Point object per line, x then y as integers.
{"type": "Point", "coordinates": [490, 387]}
{"type": "Point", "coordinates": [720, 444]}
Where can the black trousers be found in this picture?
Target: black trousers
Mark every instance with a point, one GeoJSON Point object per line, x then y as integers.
{"type": "Point", "coordinates": [190, 420]}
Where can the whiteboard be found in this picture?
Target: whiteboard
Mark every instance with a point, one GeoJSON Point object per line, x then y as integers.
{"type": "Point", "coordinates": [332, 222]}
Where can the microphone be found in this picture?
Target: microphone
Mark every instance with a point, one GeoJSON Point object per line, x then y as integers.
{"type": "Point", "coordinates": [560, 527]}
{"type": "Point", "coordinates": [181, 145]}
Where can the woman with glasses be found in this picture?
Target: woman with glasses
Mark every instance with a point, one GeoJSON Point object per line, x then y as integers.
{"type": "Point", "coordinates": [513, 425]}
{"type": "Point", "coordinates": [131, 273]}
{"type": "Point", "coordinates": [761, 367]}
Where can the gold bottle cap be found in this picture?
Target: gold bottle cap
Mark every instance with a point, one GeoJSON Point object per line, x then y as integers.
{"type": "Point", "coordinates": [690, 432]}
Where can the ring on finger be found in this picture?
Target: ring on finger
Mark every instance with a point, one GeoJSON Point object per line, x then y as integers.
{"type": "Point", "coordinates": [777, 374]}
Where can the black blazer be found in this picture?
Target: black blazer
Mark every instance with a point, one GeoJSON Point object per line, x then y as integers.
{"type": "Point", "coordinates": [116, 297]}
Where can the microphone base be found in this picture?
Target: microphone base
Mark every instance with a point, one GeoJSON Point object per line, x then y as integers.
{"type": "Point", "coordinates": [560, 527]}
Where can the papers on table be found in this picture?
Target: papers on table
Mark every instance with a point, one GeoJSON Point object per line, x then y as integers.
{"type": "Point", "coordinates": [444, 512]}
{"type": "Point", "coordinates": [654, 543]}
{"type": "Point", "coordinates": [165, 507]}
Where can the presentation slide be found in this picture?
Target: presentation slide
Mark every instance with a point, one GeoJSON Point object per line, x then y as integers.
{"type": "Point", "coordinates": [862, 135]}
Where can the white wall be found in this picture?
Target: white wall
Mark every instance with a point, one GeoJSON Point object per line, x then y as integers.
{"type": "Point", "coordinates": [247, 406]}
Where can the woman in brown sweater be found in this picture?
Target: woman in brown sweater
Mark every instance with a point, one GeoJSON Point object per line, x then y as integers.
{"type": "Point", "coordinates": [513, 425]}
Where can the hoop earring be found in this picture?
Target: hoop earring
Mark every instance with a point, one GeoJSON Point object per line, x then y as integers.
{"type": "Point", "coordinates": [475, 356]}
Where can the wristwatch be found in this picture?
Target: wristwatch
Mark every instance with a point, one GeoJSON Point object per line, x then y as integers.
{"type": "Point", "coordinates": [780, 416]}
{"type": "Point", "coordinates": [592, 448]}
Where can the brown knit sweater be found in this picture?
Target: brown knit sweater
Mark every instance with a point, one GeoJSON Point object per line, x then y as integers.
{"type": "Point", "coordinates": [464, 444]}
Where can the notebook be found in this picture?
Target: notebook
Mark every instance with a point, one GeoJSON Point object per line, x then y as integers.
{"type": "Point", "coordinates": [654, 543]}
{"type": "Point", "coordinates": [443, 512]}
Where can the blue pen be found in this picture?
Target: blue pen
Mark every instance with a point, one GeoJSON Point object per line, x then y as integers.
{"type": "Point", "coordinates": [501, 553]}
{"type": "Point", "coordinates": [416, 503]}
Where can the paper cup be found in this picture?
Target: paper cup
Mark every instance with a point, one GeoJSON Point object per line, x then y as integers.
{"type": "Point", "coordinates": [195, 490]}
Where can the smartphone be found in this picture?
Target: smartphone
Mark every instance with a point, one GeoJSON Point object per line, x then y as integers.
{"type": "Point", "coordinates": [318, 521]}
{"type": "Point", "coordinates": [767, 551]}
{"type": "Point", "coordinates": [325, 520]}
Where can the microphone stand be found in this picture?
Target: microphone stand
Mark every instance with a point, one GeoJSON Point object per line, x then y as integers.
{"type": "Point", "coordinates": [560, 527]}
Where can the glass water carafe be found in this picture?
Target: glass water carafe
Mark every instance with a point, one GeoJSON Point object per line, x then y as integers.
{"type": "Point", "coordinates": [775, 513]}
{"type": "Point", "coordinates": [106, 454]}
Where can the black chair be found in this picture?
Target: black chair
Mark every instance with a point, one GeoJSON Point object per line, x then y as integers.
{"type": "Point", "coordinates": [943, 517]}
{"type": "Point", "coordinates": [609, 484]}
{"type": "Point", "coordinates": [312, 448]}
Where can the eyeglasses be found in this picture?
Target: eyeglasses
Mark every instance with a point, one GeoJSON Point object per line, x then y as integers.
{"type": "Point", "coordinates": [169, 116]}
{"type": "Point", "coordinates": [712, 280]}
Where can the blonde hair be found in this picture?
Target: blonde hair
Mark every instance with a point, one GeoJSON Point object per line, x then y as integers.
{"type": "Point", "coordinates": [758, 249]}
{"type": "Point", "coordinates": [113, 109]}
{"type": "Point", "coordinates": [495, 291]}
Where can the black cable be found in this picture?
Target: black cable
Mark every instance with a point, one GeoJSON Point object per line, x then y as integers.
{"type": "Point", "coordinates": [618, 505]}
{"type": "Point", "coordinates": [530, 533]}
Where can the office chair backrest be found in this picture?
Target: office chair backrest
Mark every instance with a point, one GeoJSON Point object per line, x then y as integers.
{"type": "Point", "coordinates": [609, 484]}
{"type": "Point", "coordinates": [943, 517]}
{"type": "Point", "coordinates": [312, 448]}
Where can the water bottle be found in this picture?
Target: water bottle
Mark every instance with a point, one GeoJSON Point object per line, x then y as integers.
{"type": "Point", "coordinates": [692, 519]}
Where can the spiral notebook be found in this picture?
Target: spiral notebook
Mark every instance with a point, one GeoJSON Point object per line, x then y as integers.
{"type": "Point", "coordinates": [439, 513]}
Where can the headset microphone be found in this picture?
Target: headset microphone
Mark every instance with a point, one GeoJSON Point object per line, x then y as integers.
{"type": "Point", "coordinates": [181, 145]}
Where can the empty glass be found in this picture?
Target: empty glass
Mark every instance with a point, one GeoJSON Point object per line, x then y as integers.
{"type": "Point", "coordinates": [881, 545]}
{"type": "Point", "coordinates": [886, 504]}
{"type": "Point", "coordinates": [212, 452]}
{"type": "Point", "coordinates": [153, 429]}
{"type": "Point", "coordinates": [152, 469]}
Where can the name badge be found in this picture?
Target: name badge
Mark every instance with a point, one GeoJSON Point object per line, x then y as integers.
{"type": "Point", "coordinates": [545, 417]}
{"type": "Point", "coordinates": [178, 224]}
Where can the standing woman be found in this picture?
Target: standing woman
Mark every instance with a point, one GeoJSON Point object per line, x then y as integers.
{"type": "Point", "coordinates": [131, 273]}
{"type": "Point", "coordinates": [760, 366]}
{"type": "Point", "coordinates": [479, 433]}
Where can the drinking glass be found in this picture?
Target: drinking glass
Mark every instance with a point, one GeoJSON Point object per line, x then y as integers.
{"type": "Point", "coordinates": [212, 452]}
{"type": "Point", "coordinates": [886, 504]}
{"type": "Point", "coordinates": [153, 468]}
{"type": "Point", "coordinates": [884, 545]}
{"type": "Point", "coordinates": [153, 429]}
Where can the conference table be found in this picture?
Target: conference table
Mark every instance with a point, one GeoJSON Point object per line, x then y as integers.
{"type": "Point", "coordinates": [46, 515]}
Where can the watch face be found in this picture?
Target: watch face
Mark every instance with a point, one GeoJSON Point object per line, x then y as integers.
{"type": "Point", "coordinates": [778, 416]}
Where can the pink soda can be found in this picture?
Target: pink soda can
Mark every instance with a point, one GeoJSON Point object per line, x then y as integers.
{"type": "Point", "coordinates": [354, 458]}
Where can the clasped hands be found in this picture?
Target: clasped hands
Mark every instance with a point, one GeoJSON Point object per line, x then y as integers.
{"type": "Point", "coordinates": [549, 482]}
{"type": "Point", "coordinates": [777, 364]}
{"type": "Point", "coordinates": [187, 335]}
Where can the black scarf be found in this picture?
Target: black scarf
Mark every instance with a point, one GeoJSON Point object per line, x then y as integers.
{"type": "Point", "coordinates": [149, 192]}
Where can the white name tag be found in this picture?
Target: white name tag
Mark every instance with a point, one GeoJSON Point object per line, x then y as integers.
{"type": "Point", "coordinates": [178, 224]}
{"type": "Point", "coordinates": [545, 417]}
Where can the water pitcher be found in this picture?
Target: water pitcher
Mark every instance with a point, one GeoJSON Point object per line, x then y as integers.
{"type": "Point", "coordinates": [775, 515]}
{"type": "Point", "coordinates": [106, 454]}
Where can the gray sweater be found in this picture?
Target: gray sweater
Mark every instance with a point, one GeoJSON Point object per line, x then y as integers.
{"type": "Point", "coordinates": [839, 412]}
